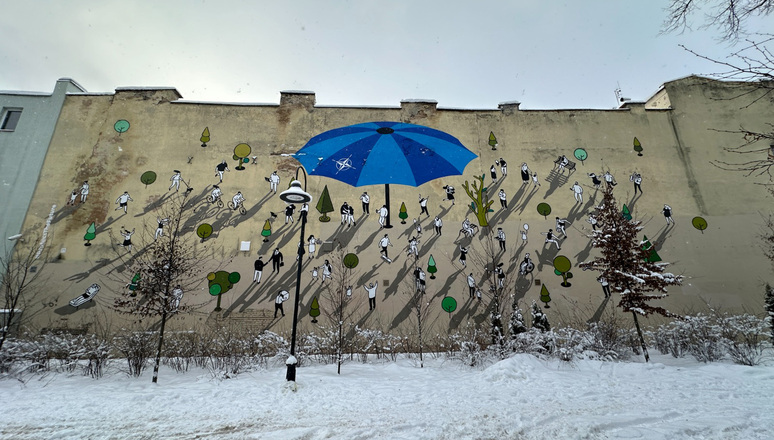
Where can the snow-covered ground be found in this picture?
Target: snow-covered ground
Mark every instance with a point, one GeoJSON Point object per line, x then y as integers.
{"type": "Point", "coordinates": [518, 398]}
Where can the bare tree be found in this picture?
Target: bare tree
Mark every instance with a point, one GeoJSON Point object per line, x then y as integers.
{"type": "Point", "coordinates": [624, 262]}
{"type": "Point", "coordinates": [21, 271]}
{"type": "Point", "coordinates": [339, 304]}
{"type": "Point", "coordinates": [420, 302]}
{"type": "Point", "coordinates": [164, 268]}
{"type": "Point", "coordinates": [728, 16]}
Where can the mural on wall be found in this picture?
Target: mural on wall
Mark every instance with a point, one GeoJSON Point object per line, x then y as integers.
{"type": "Point", "coordinates": [121, 126]}
{"type": "Point", "coordinates": [384, 153]}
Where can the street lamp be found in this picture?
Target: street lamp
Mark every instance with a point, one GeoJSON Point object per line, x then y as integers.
{"type": "Point", "coordinates": [295, 194]}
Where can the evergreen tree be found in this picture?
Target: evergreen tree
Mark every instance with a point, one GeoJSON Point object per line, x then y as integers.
{"type": "Point", "coordinates": [625, 264]}
{"type": "Point", "coordinates": [539, 319]}
{"type": "Point", "coordinates": [516, 325]}
{"type": "Point", "coordinates": [769, 304]}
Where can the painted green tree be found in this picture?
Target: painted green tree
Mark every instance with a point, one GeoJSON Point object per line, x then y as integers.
{"type": "Point", "coordinates": [403, 213]}
{"type": "Point", "coordinates": [481, 204]}
{"type": "Point", "coordinates": [91, 234]}
{"type": "Point", "coordinates": [266, 232]}
{"type": "Point", "coordinates": [314, 310]}
{"type": "Point", "coordinates": [431, 267]}
{"type": "Point", "coordinates": [241, 152]}
{"type": "Point", "coordinates": [492, 140]}
{"type": "Point", "coordinates": [545, 296]}
{"type": "Point", "coordinates": [325, 205]}
{"type": "Point", "coordinates": [637, 146]}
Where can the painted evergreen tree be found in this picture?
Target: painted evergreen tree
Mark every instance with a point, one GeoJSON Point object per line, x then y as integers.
{"type": "Point", "coordinates": [539, 319]}
{"type": "Point", "coordinates": [325, 205]}
{"type": "Point", "coordinates": [769, 304]}
{"type": "Point", "coordinates": [626, 266]}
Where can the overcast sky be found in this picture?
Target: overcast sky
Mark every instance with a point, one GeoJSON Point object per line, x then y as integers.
{"type": "Point", "coordinates": [463, 54]}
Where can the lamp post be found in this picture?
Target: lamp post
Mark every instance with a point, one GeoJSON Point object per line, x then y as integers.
{"type": "Point", "coordinates": [295, 194]}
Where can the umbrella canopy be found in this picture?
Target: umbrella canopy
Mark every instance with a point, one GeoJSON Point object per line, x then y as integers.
{"type": "Point", "coordinates": [375, 153]}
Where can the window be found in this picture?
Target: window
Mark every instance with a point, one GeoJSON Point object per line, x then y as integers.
{"type": "Point", "coordinates": [10, 119]}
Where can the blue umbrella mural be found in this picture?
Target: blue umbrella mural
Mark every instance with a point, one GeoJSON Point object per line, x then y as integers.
{"type": "Point", "coordinates": [384, 153]}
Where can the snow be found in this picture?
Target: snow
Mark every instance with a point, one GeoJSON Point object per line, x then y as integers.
{"type": "Point", "coordinates": [520, 397]}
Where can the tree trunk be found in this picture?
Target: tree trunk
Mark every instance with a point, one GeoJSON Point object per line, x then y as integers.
{"type": "Point", "coordinates": [161, 344]}
{"type": "Point", "coordinates": [642, 339]}
{"type": "Point", "coordinates": [419, 328]}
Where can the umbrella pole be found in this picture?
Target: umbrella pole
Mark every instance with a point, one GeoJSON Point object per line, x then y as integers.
{"type": "Point", "coordinates": [387, 202]}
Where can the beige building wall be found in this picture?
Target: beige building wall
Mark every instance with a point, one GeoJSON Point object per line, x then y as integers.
{"type": "Point", "coordinates": [724, 264]}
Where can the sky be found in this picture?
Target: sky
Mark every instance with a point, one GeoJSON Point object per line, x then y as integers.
{"type": "Point", "coordinates": [462, 54]}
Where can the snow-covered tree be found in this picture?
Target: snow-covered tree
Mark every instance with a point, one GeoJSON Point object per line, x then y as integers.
{"type": "Point", "coordinates": [625, 264]}
{"type": "Point", "coordinates": [539, 319]}
{"type": "Point", "coordinates": [169, 265]}
{"type": "Point", "coordinates": [769, 304]}
{"type": "Point", "coordinates": [516, 325]}
{"type": "Point", "coordinates": [339, 306]}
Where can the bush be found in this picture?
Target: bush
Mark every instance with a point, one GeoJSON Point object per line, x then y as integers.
{"type": "Point", "coordinates": [136, 347]}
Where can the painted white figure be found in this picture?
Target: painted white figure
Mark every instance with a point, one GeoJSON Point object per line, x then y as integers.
{"type": "Point", "coordinates": [468, 229]}
{"type": "Point", "coordinates": [160, 228]}
{"type": "Point", "coordinates": [525, 174]}
{"type": "Point", "coordinates": [550, 238]}
{"type": "Point", "coordinates": [383, 244]}
{"type": "Point", "coordinates": [177, 295]}
{"type": "Point", "coordinates": [127, 243]}
{"type": "Point", "coordinates": [344, 211]}
{"type": "Point", "coordinates": [562, 162]}
{"type": "Point", "coordinates": [258, 266]}
{"type": "Point", "coordinates": [464, 255]}
{"type": "Point", "coordinates": [449, 193]}
{"type": "Point", "coordinates": [609, 179]}
{"type": "Point", "coordinates": [561, 224]}
{"type": "Point", "coordinates": [327, 271]}
{"type": "Point", "coordinates": [471, 285]}
{"type": "Point", "coordinates": [605, 286]}
{"type": "Point", "coordinates": [304, 211]}
{"type": "Point", "coordinates": [220, 168]}
{"type": "Point", "coordinates": [636, 178]}
{"type": "Point", "coordinates": [577, 191]}
{"type": "Point", "coordinates": [274, 181]}
{"type": "Point", "coordinates": [420, 279]}
{"type": "Point", "coordinates": [535, 181]}
{"type": "Point", "coordinates": [73, 196]}
{"type": "Point", "coordinates": [438, 224]}
{"type": "Point", "coordinates": [216, 193]}
{"type": "Point", "coordinates": [282, 296]}
{"type": "Point", "coordinates": [237, 200]}
{"type": "Point", "coordinates": [501, 238]}
{"type": "Point", "coordinates": [175, 179]}
{"type": "Point", "coordinates": [667, 211]}
{"type": "Point", "coordinates": [418, 227]}
{"type": "Point", "coordinates": [500, 274]}
{"type": "Point", "coordinates": [289, 210]}
{"type": "Point", "coordinates": [503, 166]}
{"type": "Point", "coordinates": [423, 205]}
{"type": "Point", "coordinates": [593, 221]}
{"type": "Point", "coordinates": [123, 200]}
{"type": "Point", "coordinates": [312, 246]}
{"type": "Point", "coordinates": [315, 274]}
{"type": "Point", "coordinates": [526, 266]}
{"type": "Point", "coordinates": [493, 172]}
{"type": "Point", "coordinates": [383, 212]}
{"type": "Point", "coordinates": [84, 191]}
{"type": "Point", "coordinates": [349, 292]}
{"type": "Point", "coordinates": [595, 180]}
{"type": "Point", "coordinates": [366, 200]}
{"type": "Point", "coordinates": [350, 216]}
{"type": "Point", "coordinates": [413, 247]}
{"type": "Point", "coordinates": [503, 199]}
{"type": "Point", "coordinates": [371, 289]}
{"type": "Point", "coordinates": [524, 233]}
